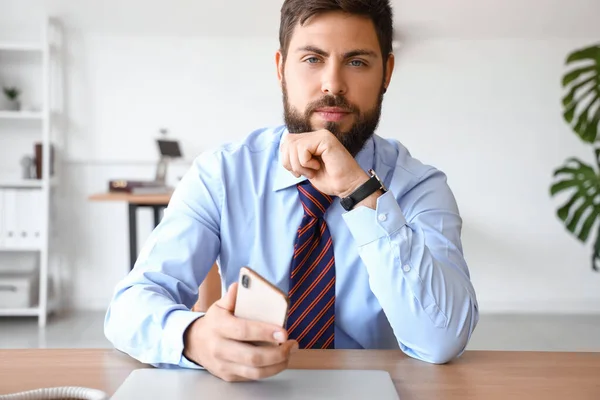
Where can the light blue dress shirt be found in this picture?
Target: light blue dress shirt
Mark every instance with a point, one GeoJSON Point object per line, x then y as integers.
{"type": "Point", "coordinates": [401, 278]}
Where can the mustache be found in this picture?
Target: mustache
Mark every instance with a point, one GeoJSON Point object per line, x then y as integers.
{"type": "Point", "coordinates": [331, 101]}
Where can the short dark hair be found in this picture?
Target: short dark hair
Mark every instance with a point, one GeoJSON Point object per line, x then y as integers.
{"type": "Point", "coordinates": [379, 11]}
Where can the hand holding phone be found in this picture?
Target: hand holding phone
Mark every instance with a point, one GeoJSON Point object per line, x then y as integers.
{"type": "Point", "coordinates": [222, 342]}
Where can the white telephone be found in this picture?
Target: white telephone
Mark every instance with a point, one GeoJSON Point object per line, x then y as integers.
{"type": "Point", "coordinates": [58, 393]}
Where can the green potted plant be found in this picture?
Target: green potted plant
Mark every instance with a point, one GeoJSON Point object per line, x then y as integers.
{"type": "Point", "coordinates": [580, 180]}
{"type": "Point", "coordinates": [12, 94]}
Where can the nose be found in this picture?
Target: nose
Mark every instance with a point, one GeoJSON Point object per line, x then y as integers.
{"type": "Point", "coordinates": [333, 82]}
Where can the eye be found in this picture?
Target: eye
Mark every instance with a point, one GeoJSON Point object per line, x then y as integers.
{"type": "Point", "coordinates": [357, 63]}
{"type": "Point", "coordinates": [312, 60]}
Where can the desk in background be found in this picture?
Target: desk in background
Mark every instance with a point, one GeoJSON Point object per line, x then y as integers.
{"type": "Point", "coordinates": [134, 201]}
{"type": "Point", "coordinates": [489, 375]}
{"type": "Point", "coordinates": [210, 290]}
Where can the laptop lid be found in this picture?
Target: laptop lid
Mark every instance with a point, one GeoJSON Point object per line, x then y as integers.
{"type": "Point", "coordinates": [178, 384]}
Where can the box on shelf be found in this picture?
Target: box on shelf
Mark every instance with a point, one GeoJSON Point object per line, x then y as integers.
{"type": "Point", "coordinates": [19, 289]}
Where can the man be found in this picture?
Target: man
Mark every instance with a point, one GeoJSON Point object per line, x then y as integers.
{"type": "Point", "coordinates": [365, 265]}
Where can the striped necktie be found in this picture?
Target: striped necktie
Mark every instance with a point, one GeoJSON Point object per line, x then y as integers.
{"type": "Point", "coordinates": [312, 275]}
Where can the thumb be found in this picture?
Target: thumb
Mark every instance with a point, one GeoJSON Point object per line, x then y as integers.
{"type": "Point", "coordinates": [227, 302]}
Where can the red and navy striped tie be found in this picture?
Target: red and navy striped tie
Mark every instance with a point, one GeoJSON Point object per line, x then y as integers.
{"type": "Point", "coordinates": [311, 316]}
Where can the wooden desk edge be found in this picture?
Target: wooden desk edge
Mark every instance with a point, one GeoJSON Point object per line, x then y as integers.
{"type": "Point", "coordinates": [475, 375]}
{"type": "Point", "coordinates": [160, 199]}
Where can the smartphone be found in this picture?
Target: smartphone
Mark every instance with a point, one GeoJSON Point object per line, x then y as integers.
{"type": "Point", "coordinates": [259, 300]}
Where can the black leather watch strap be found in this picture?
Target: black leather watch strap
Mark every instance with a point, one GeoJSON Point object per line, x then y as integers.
{"type": "Point", "coordinates": [362, 192]}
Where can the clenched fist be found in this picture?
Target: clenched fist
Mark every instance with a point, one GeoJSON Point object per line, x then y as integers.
{"type": "Point", "coordinates": [320, 157]}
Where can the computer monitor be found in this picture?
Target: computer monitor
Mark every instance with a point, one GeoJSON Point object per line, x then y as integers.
{"type": "Point", "coordinates": [169, 148]}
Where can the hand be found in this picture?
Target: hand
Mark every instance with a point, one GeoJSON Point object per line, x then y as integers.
{"type": "Point", "coordinates": [218, 342]}
{"type": "Point", "coordinates": [321, 158]}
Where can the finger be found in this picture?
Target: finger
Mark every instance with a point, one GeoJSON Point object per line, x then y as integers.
{"type": "Point", "coordinates": [225, 372]}
{"type": "Point", "coordinates": [307, 159]}
{"type": "Point", "coordinates": [284, 156]}
{"type": "Point", "coordinates": [256, 373]}
{"type": "Point", "coordinates": [227, 302]}
{"type": "Point", "coordinates": [245, 330]}
{"type": "Point", "coordinates": [297, 166]}
{"type": "Point", "coordinates": [323, 140]}
{"type": "Point", "coordinates": [251, 355]}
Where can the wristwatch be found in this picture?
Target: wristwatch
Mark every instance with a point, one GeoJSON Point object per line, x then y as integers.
{"type": "Point", "coordinates": [363, 191]}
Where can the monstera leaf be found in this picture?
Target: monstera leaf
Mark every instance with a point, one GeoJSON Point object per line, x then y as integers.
{"type": "Point", "coordinates": [582, 102]}
{"type": "Point", "coordinates": [583, 207]}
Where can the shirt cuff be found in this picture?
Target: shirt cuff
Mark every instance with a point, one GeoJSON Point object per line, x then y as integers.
{"type": "Point", "coordinates": [178, 322]}
{"type": "Point", "coordinates": [185, 363]}
{"type": "Point", "coordinates": [368, 225]}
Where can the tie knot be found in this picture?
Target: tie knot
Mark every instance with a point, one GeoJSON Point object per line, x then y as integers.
{"type": "Point", "coordinates": [314, 202]}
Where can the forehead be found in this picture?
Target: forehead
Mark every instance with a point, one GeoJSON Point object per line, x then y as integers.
{"type": "Point", "coordinates": [336, 30]}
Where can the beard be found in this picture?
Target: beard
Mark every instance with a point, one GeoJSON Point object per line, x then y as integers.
{"type": "Point", "coordinates": [358, 134]}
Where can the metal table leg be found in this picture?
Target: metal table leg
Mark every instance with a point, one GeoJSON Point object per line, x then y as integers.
{"type": "Point", "coordinates": [132, 234]}
{"type": "Point", "coordinates": [157, 209]}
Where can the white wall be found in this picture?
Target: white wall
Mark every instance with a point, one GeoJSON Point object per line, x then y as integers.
{"type": "Point", "coordinates": [479, 101]}
{"type": "Point", "coordinates": [488, 114]}
{"type": "Point", "coordinates": [205, 90]}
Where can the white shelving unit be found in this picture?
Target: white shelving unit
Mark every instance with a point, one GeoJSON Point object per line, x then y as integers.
{"type": "Point", "coordinates": [47, 52]}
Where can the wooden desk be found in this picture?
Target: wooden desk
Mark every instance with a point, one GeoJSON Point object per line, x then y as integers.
{"type": "Point", "coordinates": [476, 375]}
{"type": "Point", "coordinates": [210, 289]}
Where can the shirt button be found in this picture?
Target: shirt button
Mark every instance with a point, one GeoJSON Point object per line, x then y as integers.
{"type": "Point", "coordinates": [382, 217]}
{"type": "Point", "coordinates": [406, 268]}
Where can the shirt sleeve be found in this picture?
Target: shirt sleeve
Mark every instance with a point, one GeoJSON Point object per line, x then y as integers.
{"type": "Point", "coordinates": [417, 269]}
{"type": "Point", "coordinates": [150, 308]}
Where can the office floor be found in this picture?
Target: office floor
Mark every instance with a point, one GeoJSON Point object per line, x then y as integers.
{"type": "Point", "coordinates": [494, 332]}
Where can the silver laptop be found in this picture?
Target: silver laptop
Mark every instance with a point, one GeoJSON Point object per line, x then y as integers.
{"type": "Point", "coordinates": [151, 383]}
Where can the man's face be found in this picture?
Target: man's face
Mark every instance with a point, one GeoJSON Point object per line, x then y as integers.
{"type": "Point", "coordinates": [333, 78]}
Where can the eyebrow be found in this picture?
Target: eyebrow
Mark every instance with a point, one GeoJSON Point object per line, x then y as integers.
{"type": "Point", "coordinates": [349, 54]}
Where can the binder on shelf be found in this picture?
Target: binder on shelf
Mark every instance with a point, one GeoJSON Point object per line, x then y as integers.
{"type": "Point", "coordinates": [10, 218]}
{"type": "Point", "coordinates": [37, 220]}
{"type": "Point", "coordinates": [21, 220]}
{"type": "Point", "coordinates": [29, 212]}
{"type": "Point", "coordinates": [20, 211]}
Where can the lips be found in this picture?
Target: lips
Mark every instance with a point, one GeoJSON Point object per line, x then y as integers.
{"type": "Point", "coordinates": [332, 114]}
{"type": "Point", "coordinates": [333, 110]}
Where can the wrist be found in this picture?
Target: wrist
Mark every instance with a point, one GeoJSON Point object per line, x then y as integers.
{"type": "Point", "coordinates": [189, 339]}
{"type": "Point", "coordinates": [370, 201]}
{"type": "Point", "coordinates": [359, 180]}
{"type": "Point", "coordinates": [365, 192]}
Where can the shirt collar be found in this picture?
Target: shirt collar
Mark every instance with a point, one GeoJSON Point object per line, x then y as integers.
{"type": "Point", "coordinates": [284, 178]}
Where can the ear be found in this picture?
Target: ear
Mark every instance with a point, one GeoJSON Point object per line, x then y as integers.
{"type": "Point", "coordinates": [389, 69]}
{"type": "Point", "coordinates": [279, 63]}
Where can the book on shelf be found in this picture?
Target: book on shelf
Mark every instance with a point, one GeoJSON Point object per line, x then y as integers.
{"type": "Point", "coordinates": [38, 159]}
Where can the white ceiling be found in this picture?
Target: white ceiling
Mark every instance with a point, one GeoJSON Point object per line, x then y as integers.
{"type": "Point", "coordinates": [414, 18]}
